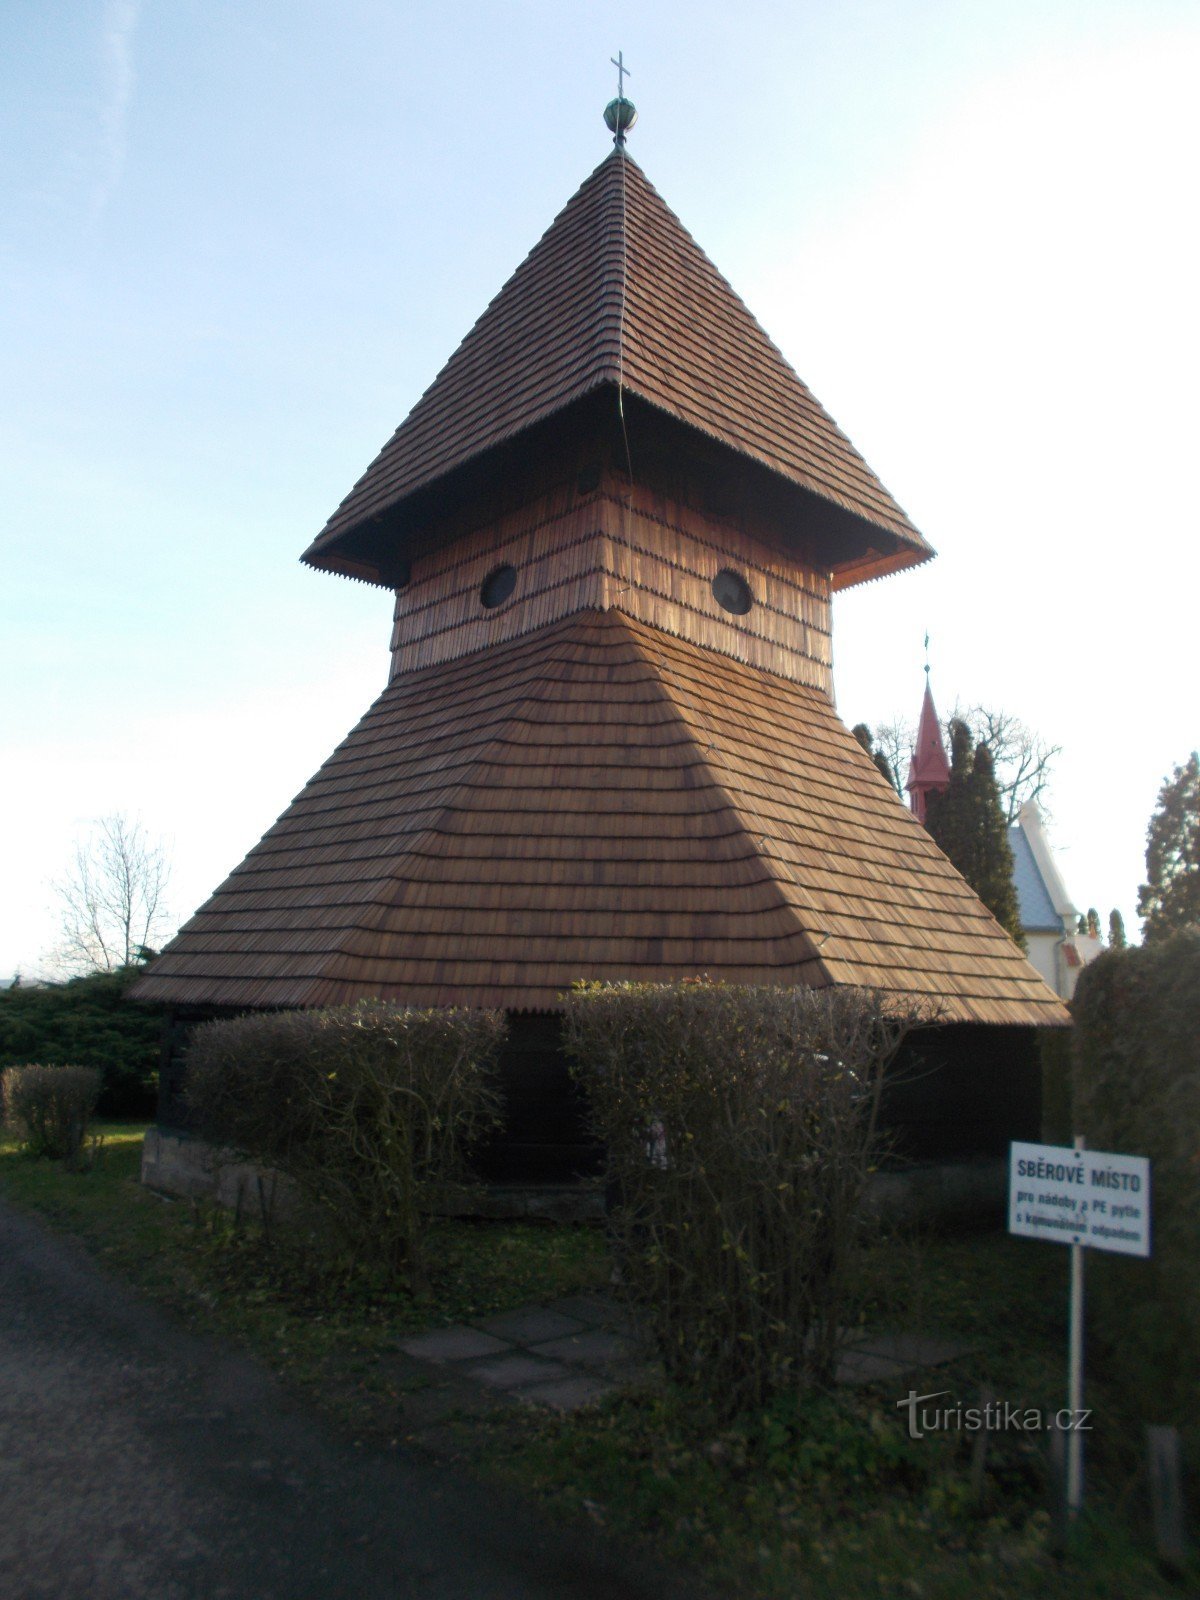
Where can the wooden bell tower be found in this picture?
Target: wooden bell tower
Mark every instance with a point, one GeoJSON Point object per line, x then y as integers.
{"type": "Point", "coordinates": [608, 747]}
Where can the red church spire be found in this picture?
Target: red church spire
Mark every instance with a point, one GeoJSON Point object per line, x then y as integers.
{"type": "Point", "coordinates": [929, 770]}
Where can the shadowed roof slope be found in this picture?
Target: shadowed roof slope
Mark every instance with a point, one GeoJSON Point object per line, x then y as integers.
{"type": "Point", "coordinates": [618, 292]}
{"type": "Point", "coordinates": [595, 800]}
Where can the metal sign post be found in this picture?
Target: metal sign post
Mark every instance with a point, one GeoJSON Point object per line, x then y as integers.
{"type": "Point", "coordinates": [1075, 1375]}
{"type": "Point", "coordinates": [1089, 1199]}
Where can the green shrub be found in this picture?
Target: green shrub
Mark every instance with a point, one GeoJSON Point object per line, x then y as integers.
{"type": "Point", "coordinates": [1137, 1090]}
{"type": "Point", "coordinates": [51, 1108]}
{"type": "Point", "coordinates": [88, 1022]}
{"type": "Point", "coordinates": [370, 1109]}
{"type": "Point", "coordinates": [740, 1126]}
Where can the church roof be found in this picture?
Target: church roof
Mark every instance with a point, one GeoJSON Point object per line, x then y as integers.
{"type": "Point", "coordinates": [594, 800]}
{"type": "Point", "coordinates": [1042, 898]}
{"type": "Point", "coordinates": [618, 293]}
{"type": "Point", "coordinates": [1033, 898]}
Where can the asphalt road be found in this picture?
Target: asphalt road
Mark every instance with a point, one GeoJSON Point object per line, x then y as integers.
{"type": "Point", "coordinates": [141, 1462]}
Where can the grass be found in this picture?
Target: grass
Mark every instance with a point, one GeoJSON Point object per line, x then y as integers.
{"type": "Point", "coordinates": [820, 1498]}
{"type": "Point", "coordinates": [826, 1496]}
{"type": "Point", "coordinates": [817, 1496]}
{"type": "Point", "coordinates": [313, 1317]}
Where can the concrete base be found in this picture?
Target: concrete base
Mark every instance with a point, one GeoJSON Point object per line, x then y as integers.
{"type": "Point", "coordinates": [966, 1194]}
{"type": "Point", "coordinates": [191, 1169]}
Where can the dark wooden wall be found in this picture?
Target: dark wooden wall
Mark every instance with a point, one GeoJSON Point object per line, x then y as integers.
{"type": "Point", "coordinates": [545, 1136]}
{"type": "Point", "coordinates": [544, 1140]}
{"type": "Point", "coordinates": [959, 1092]}
{"type": "Point", "coordinates": [962, 1091]}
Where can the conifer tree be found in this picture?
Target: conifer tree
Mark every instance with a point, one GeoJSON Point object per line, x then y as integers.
{"type": "Point", "coordinates": [993, 880]}
{"type": "Point", "coordinates": [1093, 922]}
{"type": "Point", "coordinates": [967, 822]}
{"type": "Point", "coordinates": [948, 814]}
{"type": "Point", "coordinates": [867, 739]}
{"type": "Point", "coordinates": [1170, 897]}
{"type": "Point", "coordinates": [1116, 931]}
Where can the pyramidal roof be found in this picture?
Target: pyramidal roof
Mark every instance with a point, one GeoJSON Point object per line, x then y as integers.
{"type": "Point", "coordinates": [618, 293]}
{"type": "Point", "coordinates": [930, 765]}
{"type": "Point", "coordinates": [929, 769]}
{"type": "Point", "coordinates": [595, 800]}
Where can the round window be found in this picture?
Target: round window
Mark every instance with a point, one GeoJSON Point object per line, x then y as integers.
{"type": "Point", "coordinates": [497, 586]}
{"type": "Point", "coordinates": [732, 592]}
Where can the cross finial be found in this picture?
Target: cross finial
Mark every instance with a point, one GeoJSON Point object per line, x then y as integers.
{"type": "Point", "coordinates": [927, 652]}
{"type": "Point", "coordinates": [620, 114]}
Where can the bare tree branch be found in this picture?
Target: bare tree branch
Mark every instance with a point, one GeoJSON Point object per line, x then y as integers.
{"type": "Point", "coordinates": [112, 900]}
{"type": "Point", "coordinates": [894, 741]}
{"type": "Point", "coordinates": [1024, 761]}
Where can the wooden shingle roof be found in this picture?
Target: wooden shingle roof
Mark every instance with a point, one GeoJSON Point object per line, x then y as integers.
{"type": "Point", "coordinates": [594, 800]}
{"type": "Point", "coordinates": [618, 293]}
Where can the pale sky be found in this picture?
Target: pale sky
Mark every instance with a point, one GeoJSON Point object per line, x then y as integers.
{"type": "Point", "coordinates": [238, 240]}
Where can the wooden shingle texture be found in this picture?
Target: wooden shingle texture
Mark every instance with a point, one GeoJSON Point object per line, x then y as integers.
{"type": "Point", "coordinates": [594, 800]}
{"type": "Point", "coordinates": [624, 546]}
{"type": "Point", "coordinates": [617, 292]}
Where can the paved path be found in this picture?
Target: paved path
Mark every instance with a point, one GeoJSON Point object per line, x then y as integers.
{"type": "Point", "coordinates": [567, 1354]}
{"type": "Point", "coordinates": [571, 1353]}
{"type": "Point", "coordinates": [139, 1462]}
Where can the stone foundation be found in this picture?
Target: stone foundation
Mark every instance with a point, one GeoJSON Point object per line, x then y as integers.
{"type": "Point", "coordinates": [964, 1194]}
{"type": "Point", "coordinates": [190, 1169]}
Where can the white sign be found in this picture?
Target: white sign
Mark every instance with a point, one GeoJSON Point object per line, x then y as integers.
{"type": "Point", "coordinates": [1087, 1197]}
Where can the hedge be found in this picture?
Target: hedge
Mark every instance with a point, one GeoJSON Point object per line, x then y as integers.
{"type": "Point", "coordinates": [50, 1108]}
{"type": "Point", "coordinates": [371, 1109]}
{"type": "Point", "coordinates": [88, 1022]}
{"type": "Point", "coordinates": [740, 1125]}
{"type": "Point", "coordinates": [1137, 1090]}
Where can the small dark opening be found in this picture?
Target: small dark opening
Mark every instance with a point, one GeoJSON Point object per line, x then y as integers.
{"type": "Point", "coordinates": [497, 586]}
{"type": "Point", "coordinates": [732, 592]}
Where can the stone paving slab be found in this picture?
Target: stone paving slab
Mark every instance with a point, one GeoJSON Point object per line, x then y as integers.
{"type": "Point", "coordinates": [429, 1396]}
{"type": "Point", "coordinates": [534, 1325]}
{"type": "Point", "coordinates": [513, 1370]}
{"type": "Point", "coordinates": [565, 1355]}
{"type": "Point", "coordinates": [569, 1394]}
{"type": "Point", "coordinates": [584, 1348]}
{"type": "Point", "coordinates": [454, 1344]}
{"type": "Point", "coordinates": [596, 1347]}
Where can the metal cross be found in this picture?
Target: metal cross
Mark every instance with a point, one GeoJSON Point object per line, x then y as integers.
{"type": "Point", "coordinates": [927, 652]}
{"type": "Point", "coordinates": [623, 72]}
